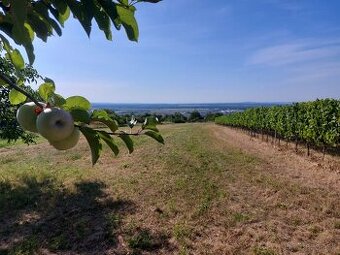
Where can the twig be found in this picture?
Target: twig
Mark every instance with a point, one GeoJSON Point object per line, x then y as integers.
{"type": "Point", "coordinates": [116, 133]}
{"type": "Point", "coordinates": [16, 87]}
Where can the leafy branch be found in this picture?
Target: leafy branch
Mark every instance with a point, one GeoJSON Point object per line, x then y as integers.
{"type": "Point", "coordinates": [22, 21]}
{"type": "Point", "coordinates": [11, 84]}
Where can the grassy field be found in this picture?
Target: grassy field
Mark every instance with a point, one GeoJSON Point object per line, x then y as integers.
{"type": "Point", "coordinates": [197, 194]}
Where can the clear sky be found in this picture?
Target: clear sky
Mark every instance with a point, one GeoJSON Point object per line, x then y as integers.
{"type": "Point", "coordinates": [193, 51]}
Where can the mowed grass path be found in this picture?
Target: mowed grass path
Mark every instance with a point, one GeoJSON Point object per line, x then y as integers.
{"type": "Point", "coordinates": [195, 195]}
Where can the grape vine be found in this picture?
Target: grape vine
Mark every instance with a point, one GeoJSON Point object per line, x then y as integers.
{"type": "Point", "coordinates": [315, 123]}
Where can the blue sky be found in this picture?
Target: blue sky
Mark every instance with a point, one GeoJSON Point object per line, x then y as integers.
{"type": "Point", "coordinates": [193, 51]}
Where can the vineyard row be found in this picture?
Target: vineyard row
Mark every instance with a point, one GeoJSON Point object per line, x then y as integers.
{"type": "Point", "coordinates": [314, 123]}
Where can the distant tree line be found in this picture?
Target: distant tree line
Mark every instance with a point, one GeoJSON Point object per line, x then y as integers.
{"type": "Point", "coordinates": [177, 117]}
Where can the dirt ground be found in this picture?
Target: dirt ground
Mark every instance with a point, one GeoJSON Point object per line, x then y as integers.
{"type": "Point", "coordinates": [314, 171]}
{"type": "Point", "coordinates": [310, 207]}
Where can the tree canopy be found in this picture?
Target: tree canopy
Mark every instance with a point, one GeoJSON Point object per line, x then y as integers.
{"type": "Point", "coordinates": [23, 20]}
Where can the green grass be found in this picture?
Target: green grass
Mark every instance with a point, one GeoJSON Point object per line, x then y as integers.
{"type": "Point", "coordinates": [6, 144]}
{"type": "Point", "coordinates": [158, 200]}
{"type": "Point", "coordinates": [263, 251]}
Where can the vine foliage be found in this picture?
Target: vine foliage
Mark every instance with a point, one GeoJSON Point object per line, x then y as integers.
{"type": "Point", "coordinates": [314, 123]}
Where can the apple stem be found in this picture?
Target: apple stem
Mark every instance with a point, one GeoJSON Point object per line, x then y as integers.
{"type": "Point", "coordinates": [22, 91]}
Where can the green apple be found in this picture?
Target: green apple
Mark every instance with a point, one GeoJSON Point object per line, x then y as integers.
{"type": "Point", "coordinates": [69, 142]}
{"type": "Point", "coordinates": [55, 124]}
{"type": "Point", "coordinates": [27, 116]}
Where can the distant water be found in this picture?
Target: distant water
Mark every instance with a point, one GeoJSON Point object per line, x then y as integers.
{"type": "Point", "coordinates": [182, 108]}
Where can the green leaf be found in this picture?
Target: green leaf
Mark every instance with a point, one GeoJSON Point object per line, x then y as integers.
{"type": "Point", "coordinates": [48, 80]}
{"type": "Point", "coordinates": [80, 115]}
{"type": "Point", "coordinates": [127, 18]}
{"type": "Point", "coordinates": [30, 31]}
{"type": "Point", "coordinates": [124, 2]}
{"type": "Point", "coordinates": [30, 52]}
{"type": "Point", "coordinates": [109, 141]}
{"type": "Point", "coordinates": [102, 116]}
{"type": "Point", "coordinates": [151, 124]}
{"type": "Point", "coordinates": [64, 16]}
{"type": "Point", "coordinates": [61, 11]}
{"type": "Point", "coordinates": [77, 102]}
{"type": "Point", "coordinates": [2, 82]}
{"type": "Point", "coordinates": [60, 5]}
{"type": "Point", "coordinates": [111, 9]}
{"type": "Point", "coordinates": [15, 97]}
{"type": "Point", "coordinates": [5, 43]}
{"type": "Point", "coordinates": [43, 11]}
{"type": "Point", "coordinates": [13, 55]}
{"type": "Point", "coordinates": [40, 27]}
{"type": "Point", "coordinates": [17, 60]}
{"type": "Point", "coordinates": [20, 33]}
{"type": "Point", "coordinates": [81, 14]}
{"type": "Point", "coordinates": [128, 141]}
{"type": "Point", "coordinates": [19, 11]}
{"type": "Point", "coordinates": [46, 90]}
{"type": "Point", "coordinates": [155, 136]}
{"type": "Point", "coordinates": [103, 22]}
{"type": "Point", "coordinates": [57, 100]}
{"type": "Point", "coordinates": [93, 140]}
{"type": "Point", "coordinates": [151, 127]}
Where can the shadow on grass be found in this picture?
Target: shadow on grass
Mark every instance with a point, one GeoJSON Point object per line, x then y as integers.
{"type": "Point", "coordinates": [45, 216]}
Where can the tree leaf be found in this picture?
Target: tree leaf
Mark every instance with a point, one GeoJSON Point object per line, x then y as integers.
{"type": "Point", "coordinates": [15, 97]}
{"type": "Point", "coordinates": [49, 80]}
{"type": "Point", "coordinates": [111, 9]}
{"type": "Point", "coordinates": [77, 102]}
{"type": "Point", "coordinates": [127, 18]}
{"type": "Point", "coordinates": [2, 82]}
{"type": "Point", "coordinates": [57, 100]}
{"type": "Point", "coordinates": [43, 11]}
{"type": "Point", "coordinates": [46, 90]}
{"type": "Point", "coordinates": [64, 16]}
{"type": "Point", "coordinates": [19, 11]}
{"type": "Point", "coordinates": [30, 31]}
{"type": "Point", "coordinates": [151, 124]}
{"type": "Point", "coordinates": [80, 115]}
{"type": "Point", "coordinates": [109, 141]}
{"type": "Point", "coordinates": [128, 141]}
{"type": "Point", "coordinates": [80, 13]}
{"type": "Point", "coordinates": [20, 34]}
{"type": "Point", "coordinates": [124, 2]}
{"type": "Point", "coordinates": [103, 22]}
{"type": "Point", "coordinates": [61, 14]}
{"type": "Point", "coordinates": [16, 59]}
{"type": "Point", "coordinates": [60, 5]}
{"type": "Point", "coordinates": [93, 140]}
{"type": "Point", "coordinates": [155, 136]}
{"type": "Point", "coordinates": [102, 116]}
{"type": "Point", "coordinates": [5, 43]}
